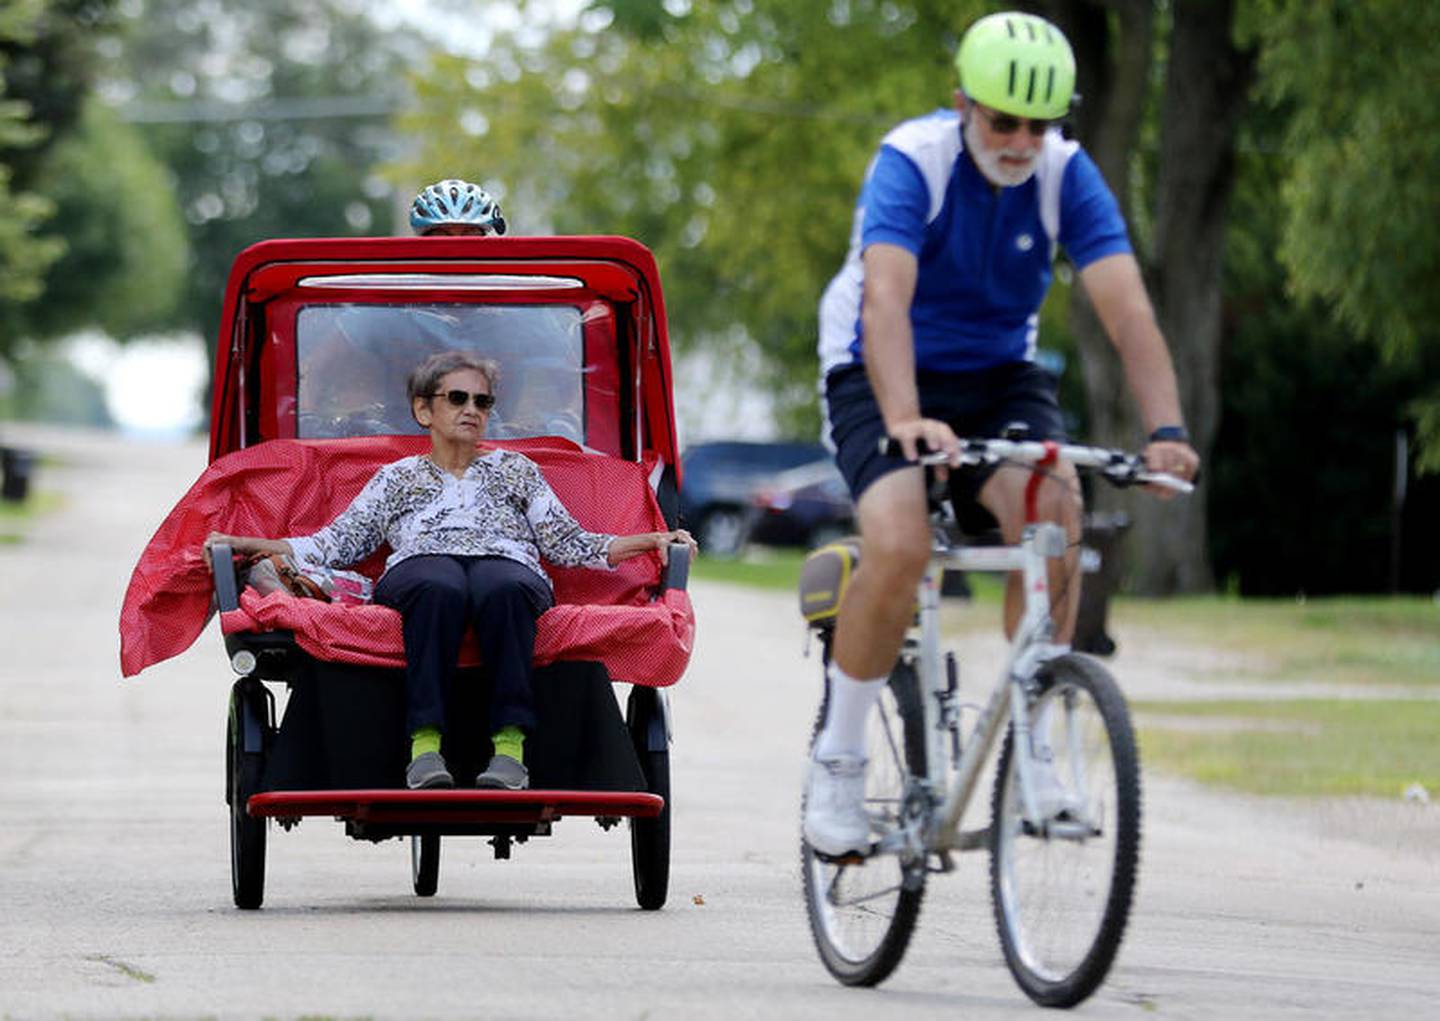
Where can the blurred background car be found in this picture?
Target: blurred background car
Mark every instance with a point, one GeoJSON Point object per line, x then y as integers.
{"type": "Point", "coordinates": [721, 480]}
{"type": "Point", "coordinates": [805, 506]}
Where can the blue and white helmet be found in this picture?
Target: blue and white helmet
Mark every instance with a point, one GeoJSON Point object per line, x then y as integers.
{"type": "Point", "coordinates": [456, 202]}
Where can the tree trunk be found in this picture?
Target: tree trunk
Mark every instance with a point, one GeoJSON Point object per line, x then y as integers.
{"type": "Point", "coordinates": [1206, 86]}
{"type": "Point", "coordinates": [1206, 89]}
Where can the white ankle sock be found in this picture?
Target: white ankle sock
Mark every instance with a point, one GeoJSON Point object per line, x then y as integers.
{"type": "Point", "coordinates": [850, 704]}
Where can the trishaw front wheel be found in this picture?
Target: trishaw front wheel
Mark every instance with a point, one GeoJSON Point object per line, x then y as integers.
{"type": "Point", "coordinates": [425, 863]}
{"type": "Point", "coordinates": [650, 838]}
{"type": "Point", "coordinates": [244, 771]}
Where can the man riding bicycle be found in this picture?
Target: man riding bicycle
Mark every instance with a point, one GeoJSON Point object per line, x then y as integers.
{"type": "Point", "coordinates": [928, 332]}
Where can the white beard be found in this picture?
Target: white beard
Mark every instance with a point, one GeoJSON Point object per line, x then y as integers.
{"type": "Point", "coordinates": [997, 173]}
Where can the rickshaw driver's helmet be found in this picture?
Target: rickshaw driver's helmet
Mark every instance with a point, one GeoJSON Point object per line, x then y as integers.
{"type": "Point", "coordinates": [1017, 64]}
{"type": "Point", "coordinates": [456, 203]}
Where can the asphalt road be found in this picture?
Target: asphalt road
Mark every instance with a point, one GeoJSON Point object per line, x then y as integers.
{"type": "Point", "coordinates": [114, 871]}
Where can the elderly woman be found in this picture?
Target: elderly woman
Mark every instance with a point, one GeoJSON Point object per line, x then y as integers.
{"type": "Point", "coordinates": [467, 528]}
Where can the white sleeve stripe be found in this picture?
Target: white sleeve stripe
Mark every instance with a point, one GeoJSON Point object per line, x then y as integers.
{"type": "Point", "coordinates": [1050, 175]}
{"type": "Point", "coordinates": [932, 143]}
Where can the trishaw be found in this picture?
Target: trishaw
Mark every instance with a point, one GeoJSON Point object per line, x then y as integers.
{"type": "Point", "coordinates": [317, 337]}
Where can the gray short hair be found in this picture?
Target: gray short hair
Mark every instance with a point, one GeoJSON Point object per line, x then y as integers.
{"type": "Point", "coordinates": [426, 376]}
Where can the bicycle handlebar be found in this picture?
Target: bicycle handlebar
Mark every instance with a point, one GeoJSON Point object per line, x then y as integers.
{"type": "Point", "coordinates": [1116, 466]}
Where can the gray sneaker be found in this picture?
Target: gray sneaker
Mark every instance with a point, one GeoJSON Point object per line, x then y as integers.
{"type": "Point", "coordinates": [428, 772]}
{"type": "Point", "coordinates": [504, 774]}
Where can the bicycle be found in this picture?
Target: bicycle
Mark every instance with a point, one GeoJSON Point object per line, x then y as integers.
{"type": "Point", "coordinates": [1064, 836]}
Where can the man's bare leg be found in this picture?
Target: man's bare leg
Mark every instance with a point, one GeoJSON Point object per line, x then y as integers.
{"type": "Point", "coordinates": [1058, 500]}
{"type": "Point", "coordinates": [895, 547]}
{"type": "Point", "coordinates": [874, 612]}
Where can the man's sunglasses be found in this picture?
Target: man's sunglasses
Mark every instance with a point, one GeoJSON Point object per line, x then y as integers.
{"type": "Point", "coordinates": [458, 399]}
{"type": "Point", "coordinates": [1008, 124]}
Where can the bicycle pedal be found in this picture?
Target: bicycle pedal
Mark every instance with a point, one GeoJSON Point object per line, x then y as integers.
{"type": "Point", "coordinates": [848, 858]}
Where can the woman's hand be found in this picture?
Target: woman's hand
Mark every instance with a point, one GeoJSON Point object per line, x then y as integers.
{"type": "Point", "coordinates": [626, 546]}
{"type": "Point", "coordinates": [246, 545]}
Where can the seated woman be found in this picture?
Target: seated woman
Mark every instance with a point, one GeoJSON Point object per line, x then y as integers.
{"type": "Point", "coordinates": [467, 528]}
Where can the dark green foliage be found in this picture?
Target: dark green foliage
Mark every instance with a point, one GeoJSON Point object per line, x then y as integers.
{"type": "Point", "coordinates": [1361, 200]}
{"type": "Point", "coordinates": [1303, 469]}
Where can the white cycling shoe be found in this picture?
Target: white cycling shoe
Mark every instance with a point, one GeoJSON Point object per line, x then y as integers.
{"type": "Point", "coordinates": [836, 823]}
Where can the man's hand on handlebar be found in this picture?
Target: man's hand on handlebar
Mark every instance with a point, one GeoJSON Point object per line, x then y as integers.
{"type": "Point", "coordinates": [933, 434]}
{"type": "Point", "coordinates": [1172, 458]}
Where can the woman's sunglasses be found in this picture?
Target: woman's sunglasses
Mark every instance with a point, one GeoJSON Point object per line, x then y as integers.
{"type": "Point", "coordinates": [458, 399]}
{"type": "Point", "coordinates": [1008, 124]}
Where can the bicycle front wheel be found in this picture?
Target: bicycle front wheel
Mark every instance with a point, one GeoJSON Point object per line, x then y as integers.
{"type": "Point", "coordinates": [1062, 880]}
{"type": "Point", "coordinates": [863, 913]}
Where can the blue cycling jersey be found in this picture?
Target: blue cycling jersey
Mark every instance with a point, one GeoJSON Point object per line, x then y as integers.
{"type": "Point", "coordinates": [984, 253]}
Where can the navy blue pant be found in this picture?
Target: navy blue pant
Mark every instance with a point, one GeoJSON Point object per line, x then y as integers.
{"type": "Point", "coordinates": [438, 596]}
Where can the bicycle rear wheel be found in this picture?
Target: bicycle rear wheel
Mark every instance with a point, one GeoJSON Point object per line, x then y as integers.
{"type": "Point", "coordinates": [1062, 886]}
{"type": "Point", "coordinates": [862, 914]}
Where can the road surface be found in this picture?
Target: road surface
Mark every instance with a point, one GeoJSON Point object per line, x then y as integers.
{"type": "Point", "coordinates": [114, 870]}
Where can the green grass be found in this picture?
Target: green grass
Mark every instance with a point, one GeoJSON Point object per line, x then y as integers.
{"type": "Point", "coordinates": [771, 567]}
{"type": "Point", "coordinates": [1307, 748]}
{"type": "Point", "coordinates": [1345, 639]}
{"type": "Point", "coordinates": [15, 518]}
{"type": "Point", "coordinates": [767, 568]}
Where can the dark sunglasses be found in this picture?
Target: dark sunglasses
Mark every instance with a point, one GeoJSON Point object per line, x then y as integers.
{"type": "Point", "coordinates": [1008, 124]}
{"type": "Point", "coordinates": [458, 398]}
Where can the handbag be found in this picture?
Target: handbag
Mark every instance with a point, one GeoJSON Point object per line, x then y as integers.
{"type": "Point", "coordinates": [274, 572]}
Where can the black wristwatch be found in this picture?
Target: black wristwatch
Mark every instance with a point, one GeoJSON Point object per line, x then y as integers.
{"type": "Point", "coordinates": [1170, 434]}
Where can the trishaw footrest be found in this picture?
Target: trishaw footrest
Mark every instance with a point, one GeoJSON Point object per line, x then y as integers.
{"type": "Point", "coordinates": [455, 806]}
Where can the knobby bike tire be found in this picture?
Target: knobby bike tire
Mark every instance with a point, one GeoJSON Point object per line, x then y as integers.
{"type": "Point", "coordinates": [1069, 981]}
{"type": "Point", "coordinates": [870, 959]}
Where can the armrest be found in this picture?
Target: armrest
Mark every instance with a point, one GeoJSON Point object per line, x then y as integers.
{"type": "Point", "coordinates": [222, 563]}
{"type": "Point", "coordinates": [677, 570]}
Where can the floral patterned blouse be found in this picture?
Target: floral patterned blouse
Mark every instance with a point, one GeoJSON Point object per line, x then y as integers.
{"type": "Point", "coordinates": [502, 507]}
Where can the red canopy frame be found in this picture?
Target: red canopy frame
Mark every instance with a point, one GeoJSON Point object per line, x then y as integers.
{"type": "Point", "coordinates": [255, 379]}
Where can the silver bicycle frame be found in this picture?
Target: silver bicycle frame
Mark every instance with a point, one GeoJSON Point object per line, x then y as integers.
{"type": "Point", "coordinates": [1028, 650]}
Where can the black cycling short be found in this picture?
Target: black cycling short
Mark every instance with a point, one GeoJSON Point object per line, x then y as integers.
{"type": "Point", "coordinates": [975, 404]}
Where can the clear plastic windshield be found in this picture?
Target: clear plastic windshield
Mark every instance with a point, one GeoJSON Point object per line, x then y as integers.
{"type": "Point", "coordinates": [354, 360]}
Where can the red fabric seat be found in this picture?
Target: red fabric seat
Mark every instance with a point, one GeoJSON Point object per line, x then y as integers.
{"type": "Point", "coordinates": [295, 487]}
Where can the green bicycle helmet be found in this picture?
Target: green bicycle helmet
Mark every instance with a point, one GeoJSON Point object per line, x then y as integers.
{"type": "Point", "coordinates": [1017, 64]}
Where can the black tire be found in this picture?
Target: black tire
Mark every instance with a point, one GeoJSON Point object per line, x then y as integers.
{"type": "Point", "coordinates": [861, 946]}
{"type": "Point", "coordinates": [425, 863]}
{"type": "Point", "coordinates": [1085, 878]}
{"type": "Point", "coordinates": [650, 838]}
{"type": "Point", "coordinates": [245, 772]}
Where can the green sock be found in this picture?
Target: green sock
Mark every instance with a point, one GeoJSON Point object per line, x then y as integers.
{"type": "Point", "coordinates": [510, 741]}
{"type": "Point", "coordinates": [426, 739]}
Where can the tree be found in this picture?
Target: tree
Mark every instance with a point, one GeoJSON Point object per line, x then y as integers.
{"type": "Point", "coordinates": [126, 250]}
{"type": "Point", "coordinates": [269, 117]}
{"type": "Point", "coordinates": [732, 137]}
{"type": "Point", "coordinates": [1362, 200]}
{"type": "Point", "coordinates": [115, 250]}
{"type": "Point", "coordinates": [23, 255]}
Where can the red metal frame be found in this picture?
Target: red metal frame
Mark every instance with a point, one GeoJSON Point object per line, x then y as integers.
{"type": "Point", "coordinates": [264, 279]}
{"type": "Point", "coordinates": [455, 806]}
{"type": "Point", "coordinates": [1037, 475]}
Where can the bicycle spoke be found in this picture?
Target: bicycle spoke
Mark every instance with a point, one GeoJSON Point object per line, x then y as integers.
{"type": "Point", "coordinates": [1062, 883]}
{"type": "Point", "coordinates": [862, 915]}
